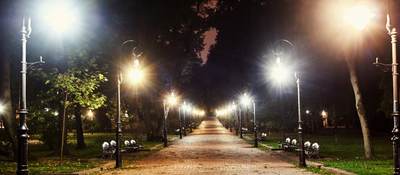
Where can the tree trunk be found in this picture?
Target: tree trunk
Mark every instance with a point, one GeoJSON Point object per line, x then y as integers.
{"type": "Point", "coordinates": [360, 108]}
{"type": "Point", "coordinates": [8, 117]}
{"type": "Point", "coordinates": [64, 133]}
{"type": "Point", "coordinates": [80, 140]}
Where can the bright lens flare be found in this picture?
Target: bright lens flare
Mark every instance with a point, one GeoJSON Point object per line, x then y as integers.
{"type": "Point", "coordinates": [172, 99]}
{"type": "Point", "coordinates": [279, 73]}
{"type": "Point", "coordinates": [245, 99]}
{"type": "Point", "coordinates": [136, 74]}
{"type": "Point", "coordinates": [358, 16]}
{"type": "Point", "coordinates": [59, 15]}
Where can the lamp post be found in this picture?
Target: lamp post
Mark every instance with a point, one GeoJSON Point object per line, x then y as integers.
{"type": "Point", "coordinates": [302, 159]}
{"type": "Point", "coordinates": [22, 154]}
{"type": "Point", "coordinates": [180, 122]}
{"type": "Point", "coordinates": [22, 159]}
{"type": "Point", "coordinates": [235, 115]}
{"type": "Point", "coordinates": [169, 101]}
{"type": "Point", "coordinates": [396, 133]}
{"type": "Point", "coordinates": [246, 101]}
{"type": "Point", "coordinates": [118, 134]}
{"type": "Point", "coordinates": [392, 32]}
{"type": "Point", "coordinates": [280, 74]}
{"type": "Point", "coordinates": [240, 123]}
{"type": "Point", "coordinates": [136, 75]}
{"type": "Point", "coordinates": [185, 108]}
{"type": "Point", "coordinates": [255, 125]}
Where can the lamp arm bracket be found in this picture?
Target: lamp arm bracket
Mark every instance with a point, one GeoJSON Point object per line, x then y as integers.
{"type": "Point", "coordinates": [383, 66]}
{"type": "Point", "coordinates": [41, 61]}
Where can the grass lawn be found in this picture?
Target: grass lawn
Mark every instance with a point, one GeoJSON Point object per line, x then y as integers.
{"type": "Point", "coordinates": [346, 152]}
{"type": "Point", "coordinates": [44, 161]}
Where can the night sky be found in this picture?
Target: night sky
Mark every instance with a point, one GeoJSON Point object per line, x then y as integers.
{"type": "Point", "coordinates": [244, 33]}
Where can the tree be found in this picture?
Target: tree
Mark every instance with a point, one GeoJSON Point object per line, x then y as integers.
{"type": "Point", "coordinates": [79, 88]}
{"type": "Point", "coordinates": [360, 107]}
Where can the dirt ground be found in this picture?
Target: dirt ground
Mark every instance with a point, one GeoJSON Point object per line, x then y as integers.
{"type": "Point", "coordinates": [210, 149]}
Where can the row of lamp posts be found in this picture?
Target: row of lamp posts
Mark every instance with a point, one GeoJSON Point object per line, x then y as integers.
{"type": "Point", "coordinates": [22, 162]}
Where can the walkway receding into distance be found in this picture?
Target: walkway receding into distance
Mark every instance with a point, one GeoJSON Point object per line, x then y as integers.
{"type": "Point", "coordinates": [211, 149]}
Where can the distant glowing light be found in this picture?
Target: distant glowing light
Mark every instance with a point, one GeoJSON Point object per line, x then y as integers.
{"type": "Point", "coordinates": [245, 99]}
{"type": "Point", "coordinates": [233, 106]}
{"type": "Point", "coordinates": [2, 108]}
{"type": "Point", "coordinates": [358, 16]}
{"type": "Point", "coordinates": [324, 113]}
{"type": "Point", "coordinates": [308, 111]}
{"type": "Point", "coordinates": [55, 113]}
{"type": "Point", "coordinates": [186, 107]}
{"type": "Point", "coordinates": [172, 99]}
{"type": "Point", "coordinates": [90, 114]}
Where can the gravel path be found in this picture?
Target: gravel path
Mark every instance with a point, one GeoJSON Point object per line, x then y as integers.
{"type": "Point", "coordinates": [211, 149]}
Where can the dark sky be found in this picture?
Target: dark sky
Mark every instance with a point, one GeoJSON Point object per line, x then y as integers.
{"type": "Point", "coordinates": [244, 44]}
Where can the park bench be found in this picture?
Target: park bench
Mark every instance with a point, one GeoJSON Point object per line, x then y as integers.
{"type": "Point", "coordinates": [289, 144]}
{"type": "Point", "coordinates": [108, 149]}
{"type": "Point", "coordinates": [311, 150]}
{"type": "Point", "coordinates": [177, 131]}
{"type": "Point", "coordinates": [132, 146]}
{"type": "Point", "coordinates": [263, 136]}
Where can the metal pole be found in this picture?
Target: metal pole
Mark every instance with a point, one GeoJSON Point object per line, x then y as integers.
{"type": "Point", "coordinates": [395, 114]}
{"type": "Point", "coordinates": [180, 123]}
{"type": "Point", "coordinates": [240, 123]}
{"type": "Point", "coordinates": [255, 125]}
{"type": "Point", "coordinates": [302, 159]}
{"type": "Point", "coordinates": [165, 138]}
{"type": "Point", "coordinates": [118, 160]}
{"type": "Point", "coordinates": [118, 134]}
{"type": "Point", "coordinates": [22, 160]}
{"type": "Point", "coordinates": [184, 122]}
{"type": "Point", "coordinates": [237, 122]}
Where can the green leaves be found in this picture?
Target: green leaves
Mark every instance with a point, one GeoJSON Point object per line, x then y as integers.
{"type": "Point", "coordinates": [82, 87]}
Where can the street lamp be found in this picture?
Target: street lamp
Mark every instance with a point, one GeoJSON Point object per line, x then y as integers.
{"type": "Point", "coordinates": [279, 75]}
{"type": "Point", "coordinates": [187, 108]}
{"type": "Point", "coordinates": [235, 111]}
{"type": "Point", "coordinates": [57, 16]}
{"type": "Point", "coordinates": [180, 108]}
{"type": "Point", "coordinates": [392, 32]}
{"type": "Point", "coordinates": [170, 101]}
{"type": "Point", "coordinates": [135, 75]}
{"type": "Point", "coordinates": [246, 101]}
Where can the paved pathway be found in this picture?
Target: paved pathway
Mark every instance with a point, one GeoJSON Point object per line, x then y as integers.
{"type": "Point", "coordinates": [210, 150]}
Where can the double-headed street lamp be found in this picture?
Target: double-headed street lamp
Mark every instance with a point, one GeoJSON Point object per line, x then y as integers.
{"type": "Point", "coordinates": [281, 74]}
{"type": "Point", "coordinates": [59, 17]}
{"type": "Point", "coordinates": [135, 75]}
{"type": "Point", "coordinates": [169, 101]}
{"type": "Point", "coordinates": [246, 101]}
